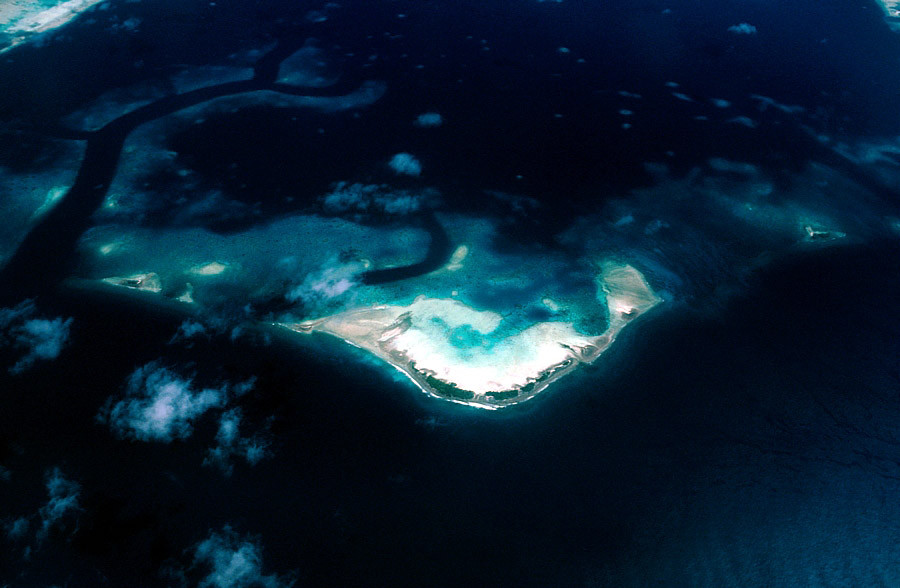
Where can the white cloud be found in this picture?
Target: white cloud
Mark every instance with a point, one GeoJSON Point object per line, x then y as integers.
{"type": "Point", "coordinates": [159, 405]}
{"type": "Point", "coordinates": [332, 280]}
{"type": "Point", "coordinates": [402, 204]}
{"type": "Point", "coordinates": [17, 529]}
{"type": "Point", "coordinates": [63, 501]}
{"type": "Point", "coordinates": [213, 207]}
{"type": "Point", "coordinates": [41, 338]}
{"type": "Point", "coordinates": [405, 164]}
{"type": "Point", "coordinates": [305, 68]}
{"type": "Point", "coordinates": [765, 102]}
{"type": "Point", "coordinates": [230, 444]}
{"type": "Point", "coordinates": [9, 316]}
{"type": "Point", "coordinates": [374, 199]}
{"type": "Point", "coordinates": [745, 121]}
{"type": "Point", "coordinates": [233, 561]}
{"type": "Point", "coordinates": [347, 197]}
{"type": "Point", "coordinates": [62, 506]}
{"type": "Point", "coordinates": [188, 330]}
{"type": "Point", "coordinates": [242, 388]}
{"type": "Point", "coordinates": [742, 29]}
{"type": "Point", "coordinates": [654, 226]}
{"type": "Point", "coordinates": [429, 120]}
{"type": "Point", "coordinates": [519, 204]}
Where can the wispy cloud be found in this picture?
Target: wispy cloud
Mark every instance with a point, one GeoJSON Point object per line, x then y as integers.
{"type": "Point", "coordinates": [169, 208]}
{"type": "Point", "coordinates": [233, 561]}
{"type": "Point", "coordinates": [332, 280]}
{"type": "Point", "coordinates": [63, 503]}
{"type": "Point", "coordinates": [374, 200]}
{"type": "Point", "coordinates": [405, 164]}
{"type": "Point", "coordinates": [230, 444]}
{"type": "Point", "coordinates": [61, 509]}
{"type": "Point", "coordinates": [743, 28]}
{"type": "Point", "coordinates": [41, 338]}
{"type": "Point", "coordinates": [18, 313]}
{"type": "Point", "coordinates": [17, 529]}
{"type": "Point", "coordinates": [744, 121]}
{"type": "Point", "coordinates": [764, 102]}
{"type": "Point", "coordinates": [188, 330]}
{"type": "Point", "coordinates": [160, 405]}
{"type": "Point", "coordinates": [429, 120]}
{"type": "Point", "coordinates": [517, 203]}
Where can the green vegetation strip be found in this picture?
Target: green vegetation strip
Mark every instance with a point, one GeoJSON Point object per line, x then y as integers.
{"type": "Point", "coordinates": [448, 390]}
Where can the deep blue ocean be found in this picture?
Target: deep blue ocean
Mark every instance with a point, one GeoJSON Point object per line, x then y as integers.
{"type": "Point", "coordinates": [751, 439]}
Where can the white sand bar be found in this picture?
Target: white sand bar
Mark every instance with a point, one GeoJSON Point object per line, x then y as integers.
{"type": "Point", "coordinates": [451, 350]}
{"type": "Point", "coordinates": [148, 282]}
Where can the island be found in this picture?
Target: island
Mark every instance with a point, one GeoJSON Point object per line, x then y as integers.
{"type": "Point", "coordinates": [455, 352]}
{"type": "Point", "coordinates": [147, 282]}
{"type": "Point", "coordinates": [22, 20]}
